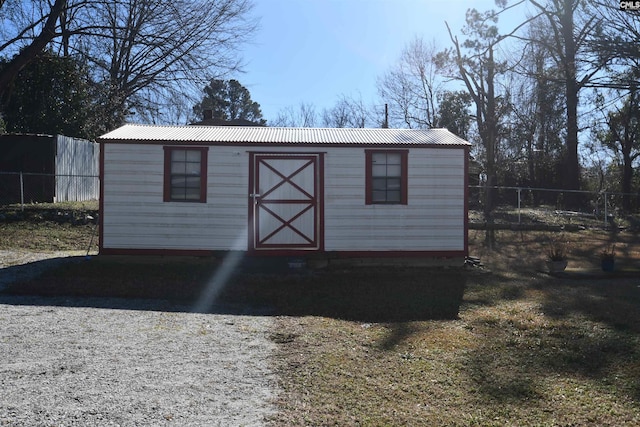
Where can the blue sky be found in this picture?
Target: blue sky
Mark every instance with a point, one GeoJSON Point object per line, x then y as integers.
{"type": "Point", "coordinates": [314, 51]}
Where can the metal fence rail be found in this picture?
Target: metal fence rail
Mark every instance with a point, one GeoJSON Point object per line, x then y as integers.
{"type": "Point", "coordinates": [604, 205]}
{"type": "Point", "coordinates": [29, 187]}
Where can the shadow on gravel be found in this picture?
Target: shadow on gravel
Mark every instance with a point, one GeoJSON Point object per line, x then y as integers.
{"type": "Point", "coordinates": [253, 286]}
{"type": "Point", "coordinates": [31, 270]}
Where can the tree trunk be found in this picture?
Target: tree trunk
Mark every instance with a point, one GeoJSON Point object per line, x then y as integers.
{"type": "Point", "coordinates": [540, 122]}
{"type": "Point", "coordinates": [490, 136]}
{"type": "Point", "coordinates": [27, 54]}
{"type": "Point", "coordinates": [627, 178]}
{"type": "Point", "coordinates": [571, 176]}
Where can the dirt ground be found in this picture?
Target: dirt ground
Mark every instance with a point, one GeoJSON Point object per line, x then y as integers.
{"type": "Point", "coordinates": [527, 250]}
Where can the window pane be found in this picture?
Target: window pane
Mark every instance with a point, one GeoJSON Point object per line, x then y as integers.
{"type": "Point", "coordinates": [185, 169]}
{"type": "Point", "coordinates": [193, 155]}
{"type": "Point", "coordinates": [393, 196]}
{"type": "Point", "coordinates": [387, 177]}
{"type": "Point", "coordinates": [192, 182]}
{"type": "Point", "coordinates": [177, 168]}
{"type": "Point", "coordinates": [193, 168]}
{"type": "Point", "coordinates": [379, 158]}
{"type": "Point", "coordinates": [192, 194]}
{"type": "Point", "coordinates": [379, 170]}
{"type": "Point", "coordinates": [178, 181]}
{"type": "Point", "coordinates": [393, 184]}
{"type": "Point", "coordinates": [394, 170]}
{"type": "Point", "coordinates": [177, 193]}
{"type": "Point", "coordinates": [379, 184]}
{"type": "Point", "coordinates": [394, 158]}
{"type": "Point", "coordinates": [379, 196]}
{"type": "Point", "coordinates": [178, 155]}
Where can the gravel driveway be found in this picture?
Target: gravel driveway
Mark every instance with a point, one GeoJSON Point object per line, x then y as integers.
{"type": "Point", "coordinates": [100, 361]}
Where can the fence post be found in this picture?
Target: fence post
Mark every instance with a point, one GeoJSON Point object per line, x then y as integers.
{"type": "Point", "coordinates": [606, 214]}
{"type": "Point", "coordinates": [519, 190]}
{"type": "Point", "coordinates": [21, 192]}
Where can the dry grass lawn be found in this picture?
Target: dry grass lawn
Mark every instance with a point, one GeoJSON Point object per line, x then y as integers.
{"type": "Point", "coordinates": [519, 348]}
{"type": "Point", "coordinates": [527, 349]}
{"type": "Point", "coordinates": [50, 227]}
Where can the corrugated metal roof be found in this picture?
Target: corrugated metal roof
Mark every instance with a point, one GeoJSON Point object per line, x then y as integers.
{"type": "Point", "coordinates": [280, 135]}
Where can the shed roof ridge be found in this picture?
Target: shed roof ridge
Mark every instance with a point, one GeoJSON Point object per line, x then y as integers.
{"type": "Point", "coordinates": [340, 129]}
{"type": "Point", "coordinates": [281, 135]}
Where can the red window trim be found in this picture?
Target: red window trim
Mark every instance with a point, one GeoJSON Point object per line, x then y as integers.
{"type": "Point", "coordinates": [404, 159]}
{"type": "Point", "coordinates": [203, 174]}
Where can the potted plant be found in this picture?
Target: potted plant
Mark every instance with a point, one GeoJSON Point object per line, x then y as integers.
{"type": "Point", "coordinates": [608, 258]}
{"type": "Point", "coordinates": [557, 254]}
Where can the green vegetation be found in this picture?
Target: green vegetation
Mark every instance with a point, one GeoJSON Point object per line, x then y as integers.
{"type": "Point", "coordinates": [228, 100]}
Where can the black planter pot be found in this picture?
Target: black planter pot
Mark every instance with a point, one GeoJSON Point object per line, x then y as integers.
{"type": "Point", "coordinates": [556, 266]}
{"type": "Point", "coordinates": [607, 264]}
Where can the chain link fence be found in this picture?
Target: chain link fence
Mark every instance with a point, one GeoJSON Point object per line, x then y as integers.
{"type": "Point", "coordinates": [514, 206]}
{"type": "Point", "coordinates": [26, 187]}
{"type": "Point", "coordinates": [527, 207]}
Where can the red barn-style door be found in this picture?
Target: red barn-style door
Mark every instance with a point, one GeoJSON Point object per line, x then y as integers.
{"type": "Point", "coordinates": [285, 202]}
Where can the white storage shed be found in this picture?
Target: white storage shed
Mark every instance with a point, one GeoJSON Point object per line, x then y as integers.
{"type": "Point", "coordinates": [199, 190]}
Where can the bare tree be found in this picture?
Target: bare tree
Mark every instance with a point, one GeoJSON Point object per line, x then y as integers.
{"type": "Point", "coordinates": [619, 133]}
{"type": "Point", "coordinates": [536, 126]}
{"type": "Point", "coordinates": [478, 69]}
{"type": "Point", "coordinates": [30, 36]}
{"type": "Point", "coordinates": [346, 113]}
{"type": "Point", "coordinates": [305, 116]}
{"type": "Point", "coordinates": [617, 40]}
{"type": "Point", "coordinates": [139, 51]}
{"type": "Point", "coordinates": [411, 87]}
{"type": "Point", "coordinates": [141, 48]}
{"type": "Point", "coordinates": [573, 24]}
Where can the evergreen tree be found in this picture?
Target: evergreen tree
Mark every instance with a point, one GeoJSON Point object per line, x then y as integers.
{"type": "Point", "coordinates": [52, 95]}
{"type": "Point", "coordinates": [454, 112]}
{"type": "Point", "coordinates": [228, 100]}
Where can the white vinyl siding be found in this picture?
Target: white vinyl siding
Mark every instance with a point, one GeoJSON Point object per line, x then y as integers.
{"type": "Point", "coordinates": [433, 219]}
{"type": "Point", "coordinates": [135, 216]}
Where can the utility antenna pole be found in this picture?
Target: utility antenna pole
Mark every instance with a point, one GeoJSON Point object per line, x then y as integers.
{"type": "Point", "coordinates": [385, 125]}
